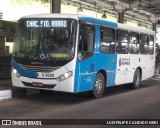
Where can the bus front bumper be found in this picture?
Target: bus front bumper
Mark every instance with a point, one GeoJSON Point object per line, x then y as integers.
{"type": "Point", "coordinates": [45, 84]}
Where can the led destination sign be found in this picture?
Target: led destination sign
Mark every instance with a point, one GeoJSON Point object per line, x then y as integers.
{"type": "Point", "coordinates": [45, 23]}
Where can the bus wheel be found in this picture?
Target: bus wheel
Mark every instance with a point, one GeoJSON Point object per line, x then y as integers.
{"type": "Point", "coordinates": [136, 79]}
{"type": "Point", "coordinates": [99, 85]}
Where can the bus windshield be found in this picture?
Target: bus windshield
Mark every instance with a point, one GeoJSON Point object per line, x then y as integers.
{"type": "Point", "coordinates": [51, 41]}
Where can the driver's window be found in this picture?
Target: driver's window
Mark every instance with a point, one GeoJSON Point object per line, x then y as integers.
{"type": "Point", "coordinates": [86, 39]}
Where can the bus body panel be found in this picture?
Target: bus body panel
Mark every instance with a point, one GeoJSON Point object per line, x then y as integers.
{"type": "Point", "coordinates": [27, 80]}
{"type": "Point", "coordinates": [22, 71]}
{"type": "Point", "coordinates": [107, 63]}
{"type": "Point", "coordinates": [126, 66]}
{"type": "Point", "coordinates": [98, 62]}
{"type": "Point", "coordinates": [15, 80]}
{"type": "Point", "coordinates": [66, 85]}
{"type": "Point", "coordinates": [147, 64]}
{"type": "Point", "coordinates": [128, 63]}
{"type": "Point", "coordinates": [86, 74]}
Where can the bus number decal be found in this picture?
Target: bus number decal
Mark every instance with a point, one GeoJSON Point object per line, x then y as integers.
{"type": "Point", "coordinates": [47, 75]}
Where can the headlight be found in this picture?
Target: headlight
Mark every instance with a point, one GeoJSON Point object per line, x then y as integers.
{"type": "Point", "coordinates": [65, 76]}
{"type": "Point", "coordinates": [15, 72]}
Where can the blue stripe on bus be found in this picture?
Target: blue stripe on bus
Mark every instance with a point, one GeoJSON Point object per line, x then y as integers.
{"type": "Point", "coordinates": [76, 78]}
{"type": "Point", "coordinates": [23, 72]}
{"type": "Point", "coordinates": [107, 62]}
{"type": "Point", "coordinates": [84, 81]}
{"type": "Point", "coordinates": [98, 21]}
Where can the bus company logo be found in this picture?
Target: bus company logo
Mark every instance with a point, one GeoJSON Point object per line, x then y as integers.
{"type": "Point", "coordinates": [6, 122]}
{"type": "Point", "coordinates": [125, 61]}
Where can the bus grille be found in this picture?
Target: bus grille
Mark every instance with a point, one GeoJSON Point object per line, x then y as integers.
{"type": "Point", "coordinates": [38, 68]}
{"type": "Point", "coordinates": [44, 85]}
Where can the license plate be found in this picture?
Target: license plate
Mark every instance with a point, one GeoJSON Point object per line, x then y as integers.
{"type": "Point", "coordinates": [37, 84]}
{"type": "Point", "coordinates": [48, 75]}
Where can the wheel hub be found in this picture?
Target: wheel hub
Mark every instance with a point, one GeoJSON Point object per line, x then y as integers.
{"type": "Point", "coordinates": [98, 86]}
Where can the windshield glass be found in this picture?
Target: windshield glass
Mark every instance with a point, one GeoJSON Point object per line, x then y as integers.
{"type": "Point", "coordinates": [51, 41]}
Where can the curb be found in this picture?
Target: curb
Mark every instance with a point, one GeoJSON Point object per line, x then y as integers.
{"type": "Point", "coordinates": [5, 94]}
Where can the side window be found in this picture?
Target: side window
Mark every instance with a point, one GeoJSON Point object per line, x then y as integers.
{"type": "Point", "coordinates": [107, 43]}
{"type": "Point", "coordinates": [151, 45]}
{"type": "Point", "coordinates": [86, 40]}
{"type": "Point", "coordinates": [122, 42]}
{"type": "Point", "coordinates": [144, 44]}
{"type": "Point", "coordinates": [134, 43]}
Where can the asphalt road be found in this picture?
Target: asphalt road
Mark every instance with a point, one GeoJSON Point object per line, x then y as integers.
{"type": "Point", "coordinates": [118, 102]}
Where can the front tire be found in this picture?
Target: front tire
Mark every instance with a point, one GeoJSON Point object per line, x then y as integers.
{"type": "Point", "coordinates": [136, 79]}
{"type": "Point", "coordinates": [98, 87]}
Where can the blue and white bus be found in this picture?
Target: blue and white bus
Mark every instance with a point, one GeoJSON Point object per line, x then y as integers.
{"type": "Point", "coordinates": [74, 53]}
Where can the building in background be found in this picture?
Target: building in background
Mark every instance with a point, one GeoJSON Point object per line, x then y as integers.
{"type": "Point", "coordinates": [14, 9]}
{"type": "Point", "coordinates": [7, 33]}
{"type": "Point", "coordinates": [10, 13]}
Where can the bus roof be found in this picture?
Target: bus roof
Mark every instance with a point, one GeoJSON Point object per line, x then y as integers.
{"type": "Point", "coordinates": [135, 29]}
{"type": "Point", "coordinates": [52, 15]}
{"type": "Point", "coordinates": [92, 20]}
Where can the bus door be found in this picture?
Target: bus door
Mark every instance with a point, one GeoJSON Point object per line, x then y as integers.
{"type": "Point", "coordinates": [85, 56]}
{"type": "Point", "coordinates": [123, 61]}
